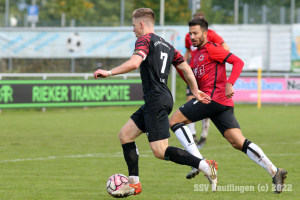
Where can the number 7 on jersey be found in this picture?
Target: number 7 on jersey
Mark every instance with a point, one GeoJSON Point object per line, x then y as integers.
{"type": "Point", "coordinates": [164, 57]}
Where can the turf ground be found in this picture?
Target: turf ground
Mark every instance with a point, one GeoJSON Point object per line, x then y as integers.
{"type": "Point", "coordinates": [70, 153]}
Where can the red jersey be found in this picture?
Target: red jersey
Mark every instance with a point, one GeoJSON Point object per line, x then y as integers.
{"type": "Point", "coordinates": [212, 36]}
{"type": "Point", "coordinates": [210, 72]}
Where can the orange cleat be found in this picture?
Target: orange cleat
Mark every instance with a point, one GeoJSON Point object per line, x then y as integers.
{"type": "Point", "coordinates": [127, 190]}
{"type": "Point", "coordinates": [137, 187]}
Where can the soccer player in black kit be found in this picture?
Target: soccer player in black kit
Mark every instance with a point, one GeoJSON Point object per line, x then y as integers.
{"type": "Point", "coordinates": [154, 56]}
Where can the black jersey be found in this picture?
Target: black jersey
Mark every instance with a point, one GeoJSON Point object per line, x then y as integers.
{"type": "Point", "coordinates": [158, 55]}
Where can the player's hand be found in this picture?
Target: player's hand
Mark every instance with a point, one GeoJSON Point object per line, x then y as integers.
{"type": "Point", "coordinates": [229, 91]}
{"type": "Point", "coordinates": [100, 73]}
{"type": "Point", "coordinates": [202, 97]}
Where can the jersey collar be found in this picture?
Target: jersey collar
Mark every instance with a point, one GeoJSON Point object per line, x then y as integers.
{"type": "Point", "coordinates": [202, 46]}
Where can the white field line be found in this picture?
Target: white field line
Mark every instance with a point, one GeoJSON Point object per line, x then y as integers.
{"type": "Point", "coordinates": [142, 154]}
{"type": "Point", "coordinates": [70, 156]}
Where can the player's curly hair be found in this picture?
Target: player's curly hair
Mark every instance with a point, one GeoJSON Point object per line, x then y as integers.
{"type": "Point", "coordinates": [198, 21]}
{"type": "Point", "coordinates": [144, 13]}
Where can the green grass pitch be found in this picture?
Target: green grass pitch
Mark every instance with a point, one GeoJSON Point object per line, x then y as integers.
{"type": "Point", "coordinates": [70, 153]}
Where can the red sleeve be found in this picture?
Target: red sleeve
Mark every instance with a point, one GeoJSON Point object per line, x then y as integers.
{"type": "Point", "coordinates": [142, 46]}
{"type": "Point", "coordinates": [178, 58]}
{"type": "Point", "coordinates": [212, 36]}
{"type": "Point", "coordinates": [217, 52]}
{"type": "Point", "coordinates": [236, 68]}
{"type": "Point", "coordinates": [187, 41]}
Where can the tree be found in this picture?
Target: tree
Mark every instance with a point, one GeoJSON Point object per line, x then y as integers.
{"type": "Point", "coordinates": [74, 8]}
{"type": "Point", "coordinates": [107, 12]}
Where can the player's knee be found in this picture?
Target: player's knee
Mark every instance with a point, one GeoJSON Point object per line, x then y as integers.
{"type": "Point", "coordinates": [158, 154]}
{"type": "Point", "coordinates": [121, 136]}
{"type": "Point", "coordinates": [236, 145]}
{"type": "Point", "coordinates": [233, 145]}
{"type": "Point", "coordinates": [172, 121]}
{"type": "Point", "coordinates": [124, 137]}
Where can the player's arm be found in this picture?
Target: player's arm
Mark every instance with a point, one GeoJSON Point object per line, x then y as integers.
{"type": "Point", "coordinates": [226, 47]}
{"type": "Point", "coordinates": [221, 55]}
{"type": "Point", "coordinates": [190, 79]}
{"type": "Point", "coordinates": [216, 38]}
{"type": "Point", "coordinates": [140, 53]}
{"type": "Point", "coordinates": [237, 67]}
{"type": "Point", "coordinates": [128, 66]}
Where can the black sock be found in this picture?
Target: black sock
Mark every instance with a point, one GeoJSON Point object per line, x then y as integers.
{"type": "Point", "coordinates": [181, 157]}
{"type": "Point", "coordinates": [132, 158]}
{"type": "Point", "coordinates": [246, 146]}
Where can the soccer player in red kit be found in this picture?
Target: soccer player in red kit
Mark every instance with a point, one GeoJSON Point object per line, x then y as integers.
{"type": "Point", "coordinates": [209, 70]}
{"type": "Point", "coordinates": [212, 36]}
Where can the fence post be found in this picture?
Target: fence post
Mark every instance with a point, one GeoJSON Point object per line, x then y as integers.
{"type": "Point", "coordinates": [298, 15]}
{"type": "Point", "coordinates": [10, 64]}
{"type": "Point", "coordinates": [7, 13]}
{"type": "Point", "coordinates": [268, 48]}
{"type": "Point", "coordinates": [282, 14]}
{"type": "Point", "coordinates": [245, 13]}
{"type": "Point", "coordinates": [292, 11]}
{"type": "Point", "coordinates": [236, 11]}
{"type": "Point", "coordinates": [122, 12]}
{"type": "Point", "coordinates": [264, 14]}
{"type": "Point", "coordinates": [72, 65]}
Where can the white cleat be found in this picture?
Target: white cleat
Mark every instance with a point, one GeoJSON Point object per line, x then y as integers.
{"type": "Point", "coordinates": [211, 174]}
{"type": "Point", "coordinates": [127, 190]}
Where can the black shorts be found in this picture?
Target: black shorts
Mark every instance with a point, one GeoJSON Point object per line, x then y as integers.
{"type": "Point", "coordinates": [188, 91]}
{"type": "Point", "coordinates": [153, 120]}
{"type": "Point", "coordinates": [222, 116]}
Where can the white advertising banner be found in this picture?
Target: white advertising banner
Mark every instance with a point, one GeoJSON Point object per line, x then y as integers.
{"type": "Point", "coordinates": [68, 44]}
{"type": "Point", "coordinates": [257, 45]}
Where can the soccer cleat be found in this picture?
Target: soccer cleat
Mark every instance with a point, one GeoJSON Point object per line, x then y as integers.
{"type": "Point", "coordinates": [211, 174]}
{"type": "Point", "coordinates": [278, 180]}
{"type": "Point", "coordinates": [201, 142]}
{"type": "Point", "coordinates": [195, 138]}
{"type": "Point", "coordinates": [127, 190]}
{"type": "Point", "coordinates": [192, 173]}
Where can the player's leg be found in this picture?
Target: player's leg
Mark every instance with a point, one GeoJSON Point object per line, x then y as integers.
{"type": "Point", "coordinates": [192, 125]}
{"type": "Point", "coordinates": [184, 135]}
{"type": "Point", "coordinates": [230, 129]}
{"type": "Point", "coordinates": [192, 111]}
{"type": "Point", "coordinates": [238, 141]}
{"type": "Point", "coordinates": [205, 127]}
{"type": "Point", "coordinates": [127, 135]}
{"type": "Point", "coordinates": [163, 151]}
{"type": "Point", "coordinates": [157, 129]}
{"type": "Point", "coordinates": [129, 132]}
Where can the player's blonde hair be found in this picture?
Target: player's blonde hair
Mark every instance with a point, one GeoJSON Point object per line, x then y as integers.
{"type": "Point", "coordinates": [146, 14]}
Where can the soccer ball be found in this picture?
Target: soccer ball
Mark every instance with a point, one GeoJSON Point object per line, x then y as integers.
{"type": "Point", "coordinates": [74, 42]}
{"type": "Point", "coordinates": [115, 182]}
